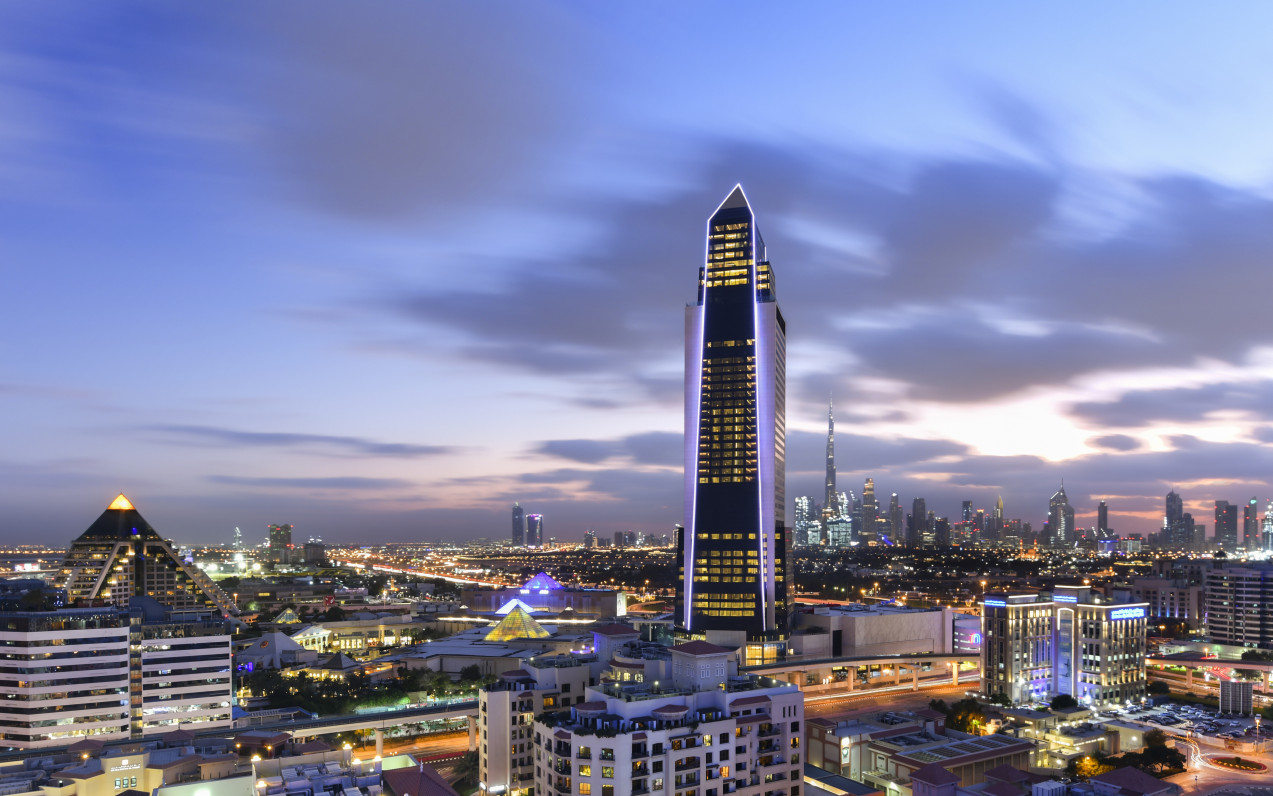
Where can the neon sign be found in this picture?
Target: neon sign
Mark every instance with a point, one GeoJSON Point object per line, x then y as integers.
{"type": "Point", "coordinates": [995, 604]}
{"type": "Point", "coordinates": [1065, 598]}
{"type": "Point", "coordinates": [1127, 613]}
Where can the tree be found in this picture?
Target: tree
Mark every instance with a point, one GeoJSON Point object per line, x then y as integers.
{"type": "Point", "coordinates": [1155, 738]}
{"type": "Point", "coordinates": [1063, 702]}
{"type": "Point", "coordinates": [466, 769]}
{"type": "Point", "coordinates": [335, 614]}
{"type": "Point", "coordinates": [967, 716]}
{"type": "Point", "coordinates": [1087, 767]}
{"type": "Point", "coordinates": [1257, 655]}
{"type": "Point", "coordinates": [1159, 687]}
{"type": "Point", "coordinates": [471, 674]}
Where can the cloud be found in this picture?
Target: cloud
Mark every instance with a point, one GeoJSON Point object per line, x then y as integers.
{"type": "Point", "coordinates": [340, 482]}
{"type": "Point", "coordinates": [1116, 442]}
{"type": "Point", "coordinates": [657, 448]}
{"type": "Point", "coordinates": [1139, 408]}
{"type": "Point", "coordinates": [350, 446]}
{"type": "Point", "coordinates": [410, 112]}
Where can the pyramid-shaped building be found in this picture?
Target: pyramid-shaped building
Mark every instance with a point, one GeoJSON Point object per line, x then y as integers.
{"type": "Point", "coordinates": [120, 557]}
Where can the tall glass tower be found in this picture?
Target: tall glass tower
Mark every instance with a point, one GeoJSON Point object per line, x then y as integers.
{"type": "Point", "coordinates": [736, 562]}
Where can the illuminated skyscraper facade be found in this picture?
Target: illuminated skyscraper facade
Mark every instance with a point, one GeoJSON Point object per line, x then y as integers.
{"type": "Point", "coordinates": [736, 562]}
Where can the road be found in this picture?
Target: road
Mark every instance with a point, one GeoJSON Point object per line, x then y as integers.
{"type": "Point", "coordinates": [903, 699]}
{"type": "Point", "coordinates": [1203, 777]}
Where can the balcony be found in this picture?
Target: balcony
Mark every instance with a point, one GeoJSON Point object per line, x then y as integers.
{"type": "Point", "coordinates": [769, 732]}
{"type": "Point", "coordinates": [584, 753]}
{"type": "Point", "coordinates": [639, 750]}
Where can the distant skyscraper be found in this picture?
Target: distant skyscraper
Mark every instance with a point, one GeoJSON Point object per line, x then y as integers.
{"type": "Point", "coordinates": [280, 543]}
{"type": "Point", "coordinates": [736, 564]}
{"type": "Point", "coordinates": [589, 539]}
{"type": "Point", "coordinates": [808, 529]}
{"type": "Point", "coordinates": [1268, 526]}
{"type": "Point", "coordinates": [1226, 536]}
{"type": "Point", "coordinates": [966, 512]}
{"type": "Point", "coordinates": [918, 527]}
{"type": "Point", "coordinates": [895, 526]}
{"type": "Point", "coordinates": [534, 530]}
{"type": "Point", "coordinates": [1251, 526]}
{"type": "Point", "coordinates": [830, 483]}
{"type": "Point", "coordinates": [1061, 518]}
{"type": "Point", "coordinates": [870, 509]}
{"type": "Point", "coordinates": [1175, 510]}
{"type": "Point", "coordinates": [519, 525]}
{"type": "Point", "coordinates": [1102, 519]}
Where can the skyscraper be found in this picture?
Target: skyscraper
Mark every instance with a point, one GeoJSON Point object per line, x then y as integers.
{"type": "Point", "coordinates": [1102, 519]}
{"type": "Point", "coordinates": [918, 526]}
{"type": "Point", "coordinates": [1251, 525]}
{"type": "Point", "coordinates": [534, 530]}
{"type": "Point", "coordinates": [736, 557]}
{"type": "Point", "coordinates": [830, 484]}
{"type": "Point", "coordinates": [894, 520]}
{"type": "Point", "coordinates": [870, 509]}
{"type": "Point", "coordinates": [1061, 518]}
{"type": "Point", "coordinates": [1268, 526]}
{"type": "Point", "coordinates": [519, 525]}
{"type": "Point", "coordinates": [280, 543]}
{"type": "Point", "coordinates": [808, 529]}
{"type": "Point", "coordinates": [1226, 536]}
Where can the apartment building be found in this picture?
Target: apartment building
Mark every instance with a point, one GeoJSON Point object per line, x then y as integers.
{"type": "Point", "coordinates": [689, 726]}
{"type": "Point", "coordinates": [108, 674]}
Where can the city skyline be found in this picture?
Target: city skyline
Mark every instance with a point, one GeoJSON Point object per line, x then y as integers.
{"type": "Point", "coordinates": [387, 297]}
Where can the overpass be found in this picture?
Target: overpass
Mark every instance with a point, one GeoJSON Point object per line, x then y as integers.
{"type": "Point", "coordinates": [886, 667]}
{"type": "Point", "coordinates": [1195, 663]}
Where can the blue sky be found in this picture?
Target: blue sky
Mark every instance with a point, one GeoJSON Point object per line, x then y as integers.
{"type": "Point", "coordinates": [381, 271]}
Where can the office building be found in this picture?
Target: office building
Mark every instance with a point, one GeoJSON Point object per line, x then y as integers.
{"type": "Point", "coordinates": [120, 557]}
{"type": "Point", "coordinates": [1226, 529]}
{"type": "Point", "coordinates": [1073, 641]}
{"type": "Point", "coordinates": [519, 525]}
{"type": "Point", "coordinates": [689, 724]}
{"type": "Point", "coordinates": [1239, 604]}
{"type": "Point", "coordinates": [107, 674]}
{"type": "Point", "coordinates": [1061, 519]}
{"type": "Point", "coordinates": [534, 530]}
{"type": "Point", "coordinates": [736, 557]}
{"type": "Point", "coordinates": [917, 527]}
{"type": "Point", "coordinates": [589, 539]}
{"type": "Point", "coordinates": [1102, 519]}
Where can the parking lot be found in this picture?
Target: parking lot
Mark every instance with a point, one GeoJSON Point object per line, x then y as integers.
{"type": "Point", "coordinates": [1192, 721]}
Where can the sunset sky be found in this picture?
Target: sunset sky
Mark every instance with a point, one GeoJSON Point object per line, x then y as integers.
{"type": "Point", "coordinates": [379, 270]}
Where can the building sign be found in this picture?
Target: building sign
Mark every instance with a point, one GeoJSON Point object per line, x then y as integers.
{"type": "Point", "coordinates": [1127, 613]}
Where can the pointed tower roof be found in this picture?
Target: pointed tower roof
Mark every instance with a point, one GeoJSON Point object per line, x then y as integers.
{"type": "Point", "coordinates": [518, 624]}
{"type": "Point", "coordinates": [120, 521]}
{"type": "Point", "coordinates": [736, 199]}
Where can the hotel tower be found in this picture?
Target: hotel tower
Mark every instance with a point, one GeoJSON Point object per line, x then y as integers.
{"type": "Point", "coordinates": [735, 551]}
